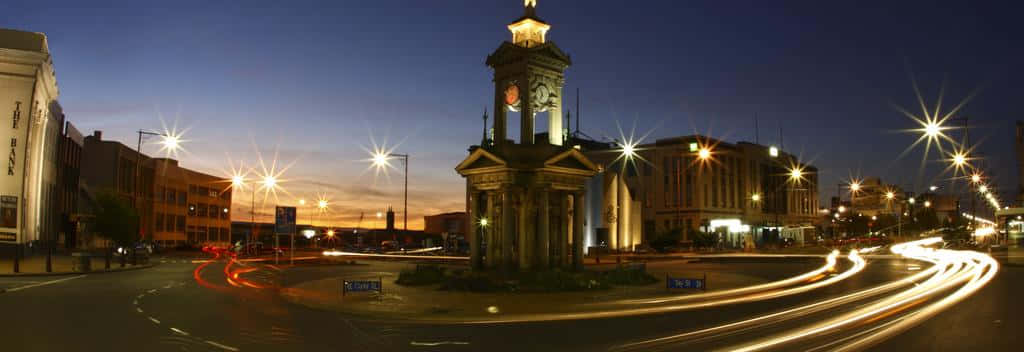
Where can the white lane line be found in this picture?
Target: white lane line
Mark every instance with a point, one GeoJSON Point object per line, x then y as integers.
{"type": "Point", "coordinates": [45, 283]}
{"type": "Point", "coordinates": [137, 309]}
{"type": "Point", "coordinates": [438, 343]}
{"type": "Point", "coordinates": [140, 296]}
{"type": "Point", "coordinates": [152, 319]}
{"type": "Point", "coordinates": [151, 291]}
{"type": "Point", "coordinates": [135, 302]}
{"type": "Point", "coordinates": [179, 331]}
{"type": "Point", "coordinates": [229, 348]}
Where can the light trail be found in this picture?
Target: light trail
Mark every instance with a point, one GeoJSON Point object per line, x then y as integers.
{"type": "Point", "coordinates": [970, 269]}
{"type": "Point", "coordinates": [352, 254]}
{"type": "Point", "coordinates": [789, 314]}
{"type": "Point", "coordinates": [727, 297]}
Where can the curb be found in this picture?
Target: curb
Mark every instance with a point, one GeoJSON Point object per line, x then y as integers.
{"type": "Point", "coordinates": [64, 273]}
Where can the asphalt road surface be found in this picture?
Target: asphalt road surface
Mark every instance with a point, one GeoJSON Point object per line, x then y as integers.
{"type": "Point", "coordinates": [175, 307]}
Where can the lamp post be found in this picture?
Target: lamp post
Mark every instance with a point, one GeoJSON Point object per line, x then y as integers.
{"type": "Point", "coordinates": [170, 143]}
{"type": "Point", "coordinates": [381, 160]}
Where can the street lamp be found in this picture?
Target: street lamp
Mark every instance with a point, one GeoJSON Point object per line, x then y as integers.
{"type": "Point", "coordinates": [927, 204]}
{"type": "Point", "coordinates": [381, 159]}
{"type": "Point", "coordinates": [704, 153]}
{"type": "Point", "coordinates": [975, 178]}
{"type": "Point", "coordinates": [169, 142]}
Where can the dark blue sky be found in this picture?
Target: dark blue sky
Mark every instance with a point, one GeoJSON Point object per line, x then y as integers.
{"type": "Point", "coordinates": [314, 80]}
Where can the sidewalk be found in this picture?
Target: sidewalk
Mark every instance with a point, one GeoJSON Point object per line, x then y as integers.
{"type": "Point", "coordinates": [427, 303]}
{"type": "Point", "coordinates": [61, 265]}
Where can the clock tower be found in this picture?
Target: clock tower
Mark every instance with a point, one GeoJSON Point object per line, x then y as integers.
{"type": "Point", "coordinates": [528, 79]}
{"type": "Point", "coordinates": [525, 200]}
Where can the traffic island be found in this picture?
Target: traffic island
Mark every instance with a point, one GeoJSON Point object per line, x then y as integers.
{"type": "Point", "coordinates": [433, 294]}
{"type": "Point", "coordinates": [554, 280]}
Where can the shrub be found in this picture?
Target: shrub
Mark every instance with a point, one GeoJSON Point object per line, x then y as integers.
{"type": "Point", "coordinates": [421, 275]}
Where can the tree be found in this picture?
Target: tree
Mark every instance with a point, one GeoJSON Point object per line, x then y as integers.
{"type": "Point", "coordinates": [115, 219]}
{"type": "Point", "coordinates": [667, 239]}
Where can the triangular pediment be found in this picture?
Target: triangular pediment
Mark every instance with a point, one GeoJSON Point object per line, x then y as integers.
{"type": "Point", "coordinates": [572, 159]}
{"type": "Point", "coordinates": [479, 159]}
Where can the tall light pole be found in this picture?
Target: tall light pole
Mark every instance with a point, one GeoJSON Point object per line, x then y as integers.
{"type": "Point", "coordinates": [170, 143]}
{"type": "Point", "coordinates": [381, 160]}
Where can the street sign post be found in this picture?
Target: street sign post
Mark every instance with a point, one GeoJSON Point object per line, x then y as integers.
{"type": "Point", "coordinates": [678, 282]}
{"type": "Point", "coordinates": [284, 223]}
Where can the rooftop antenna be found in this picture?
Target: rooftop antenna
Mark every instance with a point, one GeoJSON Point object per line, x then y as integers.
{"type": "Point", "coordinates": [483, 140]}
{"type": "Point", "coordinates": [577, 111]}
{"type": "Point", "coordinates": [757, 132]}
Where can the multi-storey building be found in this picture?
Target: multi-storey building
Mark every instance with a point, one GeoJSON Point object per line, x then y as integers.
{"type": "Point", "coordinates": [31, 130]}
{"type": "Point", "coordinates": [741, 191]}
{"type": "Point", "coordinates": [871, 199]}
{"type": "Point", "coordinates": [176, 205]}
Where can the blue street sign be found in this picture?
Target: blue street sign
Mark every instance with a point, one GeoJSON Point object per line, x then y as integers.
{"type": "Point", "coordinates": [699, 284]}
{"type": "Point", "coordinates": [284, 220]}
{"type": "Point", "coordinates": [361, 286]}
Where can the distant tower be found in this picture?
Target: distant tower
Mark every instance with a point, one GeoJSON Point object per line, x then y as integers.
{"type": "Point", "coordinates": [390, 227]}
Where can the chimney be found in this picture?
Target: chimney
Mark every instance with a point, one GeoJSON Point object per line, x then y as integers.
{"type": "Point", "coordinates": [98, 135]}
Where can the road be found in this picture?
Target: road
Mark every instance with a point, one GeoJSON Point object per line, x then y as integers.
{"type": "Point", "coordinates": [175, 307]}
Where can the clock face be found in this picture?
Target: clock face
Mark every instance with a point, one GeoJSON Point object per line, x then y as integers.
{"type": "Point", "coordinates": [512, 94]}
{"type": "Point", "coordinates": [542, 94]}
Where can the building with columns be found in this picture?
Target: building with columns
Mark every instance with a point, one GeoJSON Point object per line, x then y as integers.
{"type": "Point", "coordinates": [741, 191]}
{"type": "Point", "coordinates": [525, 200]}
{"type": "Point", "coordinates": [32, 130]}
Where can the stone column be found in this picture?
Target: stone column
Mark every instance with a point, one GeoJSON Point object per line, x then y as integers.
{"type": "Point", "coordinates": [622, 215]}
{"type": "Point", "coordinates": [490, 230]}
{"type": "Point", "coordinates": [577, 231]}
{"type": "Point", "coordinates": [508, 229]}
{"type": "Point", "coordinates": [500, 114]}
{"type": "Point", "coordinates": [525, 111]}
{"type": "Point", "coordinates": [555, 117]}
{"type": "Point", "coordinates": [525, 243]}
{"type": "Point", "coordinates": [543, 228]}
{"type": "Point", "coordinates": [474, 235]}
{"type": "Point", "coordinates": [563, 233]}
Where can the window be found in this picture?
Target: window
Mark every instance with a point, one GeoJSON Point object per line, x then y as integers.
{"type": "Point", "coordinates": [191, 210]}
{"type": "Point", "coordinates": [170, 196]}
{"type": "Point", "coordinates": [181, 223]}
{"type": "Point", "coordinates": [159, 222]}
{"type": "Point", "coordinates": [160, 194]}
{"type": "Point", "coordinates": [200, 210]}
{"type": "Point", "coordinates": [182, 199]}
{"type": "Point", "coordinates": [214, 209]}
{"type": "Point", "coordinates": [212, 192]}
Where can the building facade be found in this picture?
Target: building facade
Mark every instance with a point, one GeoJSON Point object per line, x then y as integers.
{"type": "Point", "coordinates": [31, 131]}
{"type": "Point", "coordinates": [871, 199]}
{"type": "Point", "coordinates": [744, 192]}
{"type": "Point", "coordinates": [176, 205]}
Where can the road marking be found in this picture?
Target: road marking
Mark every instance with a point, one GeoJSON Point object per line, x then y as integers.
{"type": "Point", "coordinates": [229, 348]}
{"type": "Point", "coordinates": [135, 302]}
{"type": "Point", "coordinates": [140, 296]}
{"type": "Point", "coordinates": [179, 331]}
{"type": "Point", "coordinates": [151, 291]}
{"type": "Point", "coordinates": [438, 343]}
{"type": "Point", "coordinates": [45, 283]}
{"type": "Point", "coordinates": [137, 309]}
{"type": "Point", "coordinates": [152, 319]}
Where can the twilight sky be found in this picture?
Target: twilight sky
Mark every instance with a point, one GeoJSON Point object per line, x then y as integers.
{"type": "Point", "coordinates": [314, 81]}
